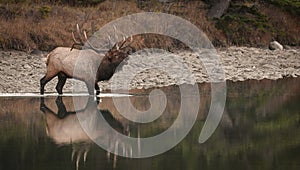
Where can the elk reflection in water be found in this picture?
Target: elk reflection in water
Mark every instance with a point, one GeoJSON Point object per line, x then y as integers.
{"type": "Point", "coordinates": [64, 128]}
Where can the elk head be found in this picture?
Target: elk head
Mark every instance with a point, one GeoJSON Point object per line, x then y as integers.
{"type": "Point", "coordinates": [118, 52]}
{"type": "Point", "coordinates": [115, 55]}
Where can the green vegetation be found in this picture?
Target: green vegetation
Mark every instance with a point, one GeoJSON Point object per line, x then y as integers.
{"type": "Point", "coordinates": [241, 21]}
{"type": "Point", "coordinates": [45, 10]}
{"type": "Point", "coordinates": [256, 24]}
{"type": "Point", "coordinates": [292, 6]}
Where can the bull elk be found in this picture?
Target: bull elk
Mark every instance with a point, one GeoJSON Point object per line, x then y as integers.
{"type": "Point", "coordinates": [95, 65]}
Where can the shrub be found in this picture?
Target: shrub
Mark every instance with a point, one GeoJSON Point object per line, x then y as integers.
{"type": "Point", "coordinates": [44, 11]}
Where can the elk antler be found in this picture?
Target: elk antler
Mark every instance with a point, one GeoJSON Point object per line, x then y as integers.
{"type": "Point", "coordinates": [76, 42]}
{"type": "Point", "coordinates": [84, 39]}
{"type": "Point", "coordinates": [122, 45]}
{"type": "Point", "coordinates": [125, 39]}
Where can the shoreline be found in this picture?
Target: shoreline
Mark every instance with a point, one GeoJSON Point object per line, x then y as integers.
{"type": "Point", "coordinates": [20, 72]}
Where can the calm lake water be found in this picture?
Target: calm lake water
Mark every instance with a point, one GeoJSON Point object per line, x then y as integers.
{"type": "Point", "coordinates": [260, 129]}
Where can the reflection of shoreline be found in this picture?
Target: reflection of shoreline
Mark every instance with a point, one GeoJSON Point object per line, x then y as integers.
{"type": "Point", "coordinates": [29, 106]}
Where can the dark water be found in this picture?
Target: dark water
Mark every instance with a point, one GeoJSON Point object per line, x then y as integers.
{"type": "Point", "coordinates": [260, 129]}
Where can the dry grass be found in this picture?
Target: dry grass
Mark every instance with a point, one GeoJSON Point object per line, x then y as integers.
{"type": "Point", "coordinates": [28, 26]}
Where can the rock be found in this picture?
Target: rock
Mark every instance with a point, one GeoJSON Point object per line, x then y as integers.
{"type": "Point", "coordinates": [287, 47]}
{"type": "Point", "coordinates": [27, 67]}
{"type": "Point", "coordinates": [6, 63]}
{"type": "Point", "coordinates": [218, 8]}
{"type": "Point", "coordinates": [274, 45]}
{"type": "Point", "coordinates": [239, 63]}
{"type": "Point", "coordinates": [36, 52]}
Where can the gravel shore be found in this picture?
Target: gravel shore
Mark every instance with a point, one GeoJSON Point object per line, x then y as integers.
{"type": "Point", "coordinates": [20, 72]}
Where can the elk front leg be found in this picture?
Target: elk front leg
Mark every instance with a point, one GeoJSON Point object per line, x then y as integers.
{"type": "Point", "coordinates": [97, 92]}
{"type": "Point", "coordinates": [97, 88]}
{"type": "Point", "coordinates": [90, 88]}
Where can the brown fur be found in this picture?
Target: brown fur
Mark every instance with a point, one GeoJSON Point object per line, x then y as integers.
{"type": "Point", "coordinates": [85, 65]}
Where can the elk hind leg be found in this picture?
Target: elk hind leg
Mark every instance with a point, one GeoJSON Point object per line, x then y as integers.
{"type": "Point", "coordinates": [61, 82]}
{"type": "Point", "coordinates": [49, 76]}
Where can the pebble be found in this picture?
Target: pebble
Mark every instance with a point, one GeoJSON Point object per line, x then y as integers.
{"type": "Point", "coordinates": [239, 64]}
{"type": "Point", "coordinates": [27, 66]}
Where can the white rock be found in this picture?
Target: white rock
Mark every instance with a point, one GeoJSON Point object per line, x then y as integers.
{"type": "Point", "coordinates": [274, 45]}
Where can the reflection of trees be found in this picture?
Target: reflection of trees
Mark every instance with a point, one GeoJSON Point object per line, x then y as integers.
{"type": "Point", "coordinates": [265, 125]}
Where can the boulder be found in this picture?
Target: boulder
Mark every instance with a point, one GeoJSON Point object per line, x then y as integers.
{"type": "Point", "coordinates": [36, 52]}
{"type": "Point", "coordinates": [218, 8]}
{"type": "Point", "coordinates": [274, 45]}
{"type": "Point", "coordinates": [287, 47]}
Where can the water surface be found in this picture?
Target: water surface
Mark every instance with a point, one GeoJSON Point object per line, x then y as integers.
{"type": "Point", "coordinates": [260, 129]}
